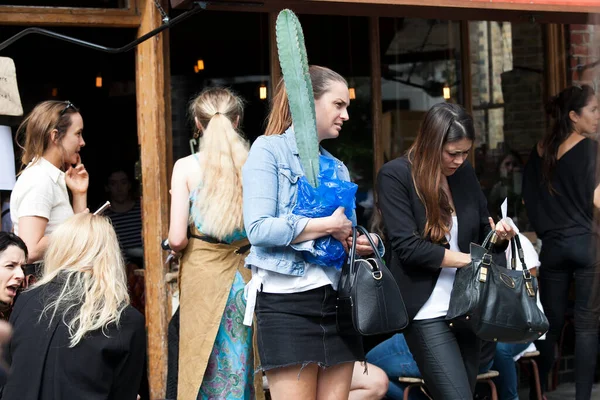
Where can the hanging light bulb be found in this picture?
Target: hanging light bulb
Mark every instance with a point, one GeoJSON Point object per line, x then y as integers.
{"type": "Point", "coordinates": [54, 92]}
{"type": "Point", "coordinates": [262, 91]}
{"type": "Point", "coordinates": [352, 93]}
{"type": "Point", "coordinates": [200, 64]}
{"type": "Point", "coordinates": [196, 69]}
{"type": "Point", "coordinates": [99, 81]}
{"type": "Point", "coordinates": [446, 92]}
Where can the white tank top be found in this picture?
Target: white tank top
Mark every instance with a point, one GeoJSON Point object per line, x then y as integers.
{"type": "Point", "coordinates": [439, 300]}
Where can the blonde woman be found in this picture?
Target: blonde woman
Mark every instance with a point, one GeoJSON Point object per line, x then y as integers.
{"type": "Point", "coordinates": [75, 334]}
{"type": "Point", "coordinates": [215, 349]}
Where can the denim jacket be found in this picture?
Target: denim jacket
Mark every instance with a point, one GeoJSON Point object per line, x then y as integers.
{"type": "Point", "coordinates": [270, 181]}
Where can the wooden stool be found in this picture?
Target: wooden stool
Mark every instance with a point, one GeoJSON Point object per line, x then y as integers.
{"type": "Point", "coordinates": [527, 358]}
{"type": "Point", "coordinates": [481, 378]}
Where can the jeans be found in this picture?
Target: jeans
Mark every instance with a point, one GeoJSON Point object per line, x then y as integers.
{"type": "Point", "coordinates": [507, 383]}
{"type": "Point", "coordinates": [562, 261]}
{"type": "Point", "coordinates": [448, 357]}
{"type": "Point", "coordinates": [394, 357]}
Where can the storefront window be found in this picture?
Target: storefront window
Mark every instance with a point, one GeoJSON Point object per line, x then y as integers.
{"type": "Point", "coordinates": [507, 89]}
{"type": "Point", "coordinates": [420, 66]}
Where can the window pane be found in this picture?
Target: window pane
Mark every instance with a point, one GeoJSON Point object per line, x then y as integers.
{"type": "Point", "coordinates": [420, 65]}
{"type": "Point", "coordinates": [507, 62]}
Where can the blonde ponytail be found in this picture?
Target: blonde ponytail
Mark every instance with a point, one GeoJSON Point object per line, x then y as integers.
{"type": "Point", "coordinates": [222, 153]}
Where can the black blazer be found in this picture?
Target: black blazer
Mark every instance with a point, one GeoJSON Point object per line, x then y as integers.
{"type": "Point", "coordinates": [416, 261]}
{"type": "Point", "coordinates": [43, 367]}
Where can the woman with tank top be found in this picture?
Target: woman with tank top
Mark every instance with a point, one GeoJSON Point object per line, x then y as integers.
{"type": "Point", "coordinates": [560, 190]}
{"type": "Point", "coordinates": [215, 358]}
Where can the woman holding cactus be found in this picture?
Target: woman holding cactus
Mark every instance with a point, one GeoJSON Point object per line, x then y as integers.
{"type": "Point", "coordinates": [300, 350]}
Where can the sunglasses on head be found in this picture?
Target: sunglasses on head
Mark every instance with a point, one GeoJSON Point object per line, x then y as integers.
{"type": "Point", "coordinates": [67, 106]}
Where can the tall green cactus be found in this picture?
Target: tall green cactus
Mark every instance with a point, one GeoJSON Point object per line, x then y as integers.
{"type": "Point", "coordinates": [294, 66]}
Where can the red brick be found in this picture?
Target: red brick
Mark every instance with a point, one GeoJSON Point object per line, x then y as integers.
{"type": "Point", "coordinates": [580, 50]}
{"type": "Point", "coordinates": [580, 38]}
{"type": "Point", "coordinates": [584, 28]}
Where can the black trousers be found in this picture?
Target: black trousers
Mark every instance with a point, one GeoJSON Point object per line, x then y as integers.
{"type": "Point", "coordinates": [561, 262]}
{"type": "Point", "coordinates": [448, 358]}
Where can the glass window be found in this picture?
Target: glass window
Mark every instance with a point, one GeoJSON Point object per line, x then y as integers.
{"type": "Point", "coordinates": [420, 66]}
{"type": "Point", "coordinates": [507, 87]}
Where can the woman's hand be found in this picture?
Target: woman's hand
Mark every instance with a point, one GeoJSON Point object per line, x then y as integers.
{"type": "Point", "coordinates": [77, 179]}
{"type": "Point", "coordinates": [503, 229]}
{"type": "Point", "coordinates": [340, 226]}
{"type": "Point", "coordinates": [363, 246]}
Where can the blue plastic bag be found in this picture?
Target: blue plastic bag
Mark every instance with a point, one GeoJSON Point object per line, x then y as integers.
{"type": "Point", "coordinates": [322, 201]}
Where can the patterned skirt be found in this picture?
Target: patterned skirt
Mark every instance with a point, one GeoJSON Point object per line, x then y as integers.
{"type": "Point", "coordinates": [229, 373]}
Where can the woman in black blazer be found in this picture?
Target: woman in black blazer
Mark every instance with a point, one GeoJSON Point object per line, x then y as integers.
{"type": "Point", "coordinates": [433, 208]}
{"type": "Point", "coordinates": [75, 336]}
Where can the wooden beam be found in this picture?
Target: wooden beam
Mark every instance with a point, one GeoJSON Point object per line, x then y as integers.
{"type": "Point", "coordinates": [63, 16]}
{"type": "Point", "coordinates": [153, 116]}
{"type": "Point", "coordinates": [375, 53]}
{"type": "Point", "coordinates": [556, 59]}
{"type": "Point", "coordinates": [436, 9]}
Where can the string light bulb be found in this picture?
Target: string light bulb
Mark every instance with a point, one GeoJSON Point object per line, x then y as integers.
{"type": "Point", "coordinates": [99, 81]}
{"type": "Point", "coordinates": [54, 92]}
{"type": "Point", "coordinates": [262, 91]}
{"type": "Point", "coordinates": [196, 70]}
{"type": "Point", "coordinates": [200, 64]}
{"type": "Point", "coordinates": [447, 92]}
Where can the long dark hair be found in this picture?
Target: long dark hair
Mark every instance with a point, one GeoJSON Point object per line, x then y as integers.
{"type": "Point", "coordinates": [573, 98]}
{"type": "Point", "coordinates": [8, 239]}
{"type": "Point", "coordinates": [443, 123]}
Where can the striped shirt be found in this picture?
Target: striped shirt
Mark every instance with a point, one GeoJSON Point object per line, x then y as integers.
{"type": "Point", "coordinates": [128, 226]}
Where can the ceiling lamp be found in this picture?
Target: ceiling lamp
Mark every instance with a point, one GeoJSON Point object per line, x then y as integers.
{"type": "Point", "coordinates": [262, 91]}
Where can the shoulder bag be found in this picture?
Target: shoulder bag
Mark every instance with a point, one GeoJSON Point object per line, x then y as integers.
{"type": "Point", "coordinates": [369, 301]}
{"type": "Point", "coordinates": [498, 304]}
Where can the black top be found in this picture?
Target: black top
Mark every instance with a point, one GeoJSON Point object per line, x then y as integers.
{"type": "Point", "coordinates": [44, 367]}
{"type": "Point", "coordinates": [416, 262]}
{"type": "Point", "coordinates": [570, 211]}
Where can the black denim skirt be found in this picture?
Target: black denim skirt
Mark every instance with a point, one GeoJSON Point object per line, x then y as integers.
{"type": "Point", "coordinates": [299, 328]}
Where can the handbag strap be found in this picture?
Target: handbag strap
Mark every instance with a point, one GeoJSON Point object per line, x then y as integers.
{"type": "Point", "coordinates": [362, 230]}
{"type": "Point", "coordinates": [351, 264]}
{"type": "Point", "coordinates": [490, 241]}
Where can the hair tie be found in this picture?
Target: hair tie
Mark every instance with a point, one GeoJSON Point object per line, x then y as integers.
{"type": "Point", "coordinates": [217, 113]}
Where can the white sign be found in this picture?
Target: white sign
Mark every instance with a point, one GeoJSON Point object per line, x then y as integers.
{"type": "Point", "coordinates": [7, 159]}
{"type": "Point", "coordinates": [10, 102]}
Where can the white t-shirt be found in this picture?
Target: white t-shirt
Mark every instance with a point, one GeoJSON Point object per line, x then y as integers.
{"type": "Point", "coordinates": [439, 300]}
{"type": "Point", "coordinates": [41, 191]}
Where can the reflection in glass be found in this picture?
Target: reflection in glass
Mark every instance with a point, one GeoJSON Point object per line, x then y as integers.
{"type": "Point", "coordinates": [420, 61]}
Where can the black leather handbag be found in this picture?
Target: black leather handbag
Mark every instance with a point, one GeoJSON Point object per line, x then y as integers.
{"type": "Point", "coordinates": [369, 301]}
{"type": "Point", "coordinates": [497, 303]}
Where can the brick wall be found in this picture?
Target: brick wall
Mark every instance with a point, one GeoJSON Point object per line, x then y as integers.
{"type": "Point", "coordinates": [585, 50]}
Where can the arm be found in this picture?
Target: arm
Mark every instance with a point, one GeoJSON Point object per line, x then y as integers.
{"type": "Point", "coordinates": [31, 230]}
{"type": "Point", "coordinates": [395, 205]}
{"type": "Point", "coordinates": [261, 187]}
{"type": "Point", "coordinates": [597, 197]}
{"type": "Point", "coordinates": [180, 208]}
